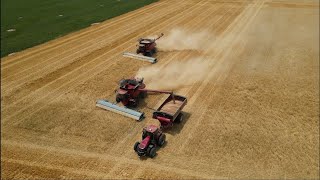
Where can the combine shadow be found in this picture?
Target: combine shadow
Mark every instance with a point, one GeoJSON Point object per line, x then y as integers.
{"type": "Point", "coordinates": [176, 128]}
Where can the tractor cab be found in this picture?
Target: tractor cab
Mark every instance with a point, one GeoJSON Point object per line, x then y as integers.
{"type": "Point", "coordinates": [152, 131]}
{"type": "Point", "coordinates": [152, 137]}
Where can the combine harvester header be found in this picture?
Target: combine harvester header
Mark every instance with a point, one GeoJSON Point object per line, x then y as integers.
{"type": "Point", "coordinates": [139, 57]}
{"type": "Point", "coordinates": [147, 47]}
{"type": "Point", "coordinates": [104, 104]}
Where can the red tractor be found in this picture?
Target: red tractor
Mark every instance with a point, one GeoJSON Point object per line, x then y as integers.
{"type": "Point", "coordinates": [152, 137]}
{"type": "Point", "coordinates": [147, 46]}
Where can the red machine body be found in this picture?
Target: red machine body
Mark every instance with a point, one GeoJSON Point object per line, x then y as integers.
{"type": "Point", "coordinates": [170, 111]}
{"type": "Point", "coordinates": [131, 90]}
{"type": "Point", "coordinates": [147, 46]}
{"type": "Point", "coordinates": [152, 137]}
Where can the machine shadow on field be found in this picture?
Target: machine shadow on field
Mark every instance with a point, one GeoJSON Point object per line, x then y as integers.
{"type": "Point", "coordinates": [143, 158]}
{"type": "Point", "coordinates": [176, 128]}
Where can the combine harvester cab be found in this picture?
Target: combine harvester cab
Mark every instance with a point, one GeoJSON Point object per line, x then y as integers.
{"type": "Point", "coordinates": [152, 137]}
{"type": "Point", "coordinates": [147, 47]}
{"type": "Point", "coordinates": [170, 111]}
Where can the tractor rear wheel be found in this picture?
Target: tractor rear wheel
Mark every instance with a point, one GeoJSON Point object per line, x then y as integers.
{"type": "Point", "coordinates": [136, 146]}
{"type": "Point", "coordinates": [152, 152]}
{"type": "Point", "coordinates": [179, 118]}
{"type": "Point", "coordinates": [162, 140]}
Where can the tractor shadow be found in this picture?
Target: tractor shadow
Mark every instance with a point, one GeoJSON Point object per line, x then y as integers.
{"type": "Point", "coordinates": [176, 128]}
{"type": "Point", "coordinates": [143, 158]}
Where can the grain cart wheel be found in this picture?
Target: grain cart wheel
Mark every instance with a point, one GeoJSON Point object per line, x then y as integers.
{"type": "Point", "coordinates": [136, 146]}
{"type": "Point", "coordinates": [179, 119]}
{"type": "Point", "coordinates": [162, 140]}
{"type": "Point", "coordinates": [152, 152]}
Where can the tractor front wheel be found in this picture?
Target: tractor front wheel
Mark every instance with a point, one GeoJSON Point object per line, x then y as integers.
{"type": "Point", "coordinates": [152, 152]}
{"type": "Point", "coordinates": [136, 146]}
{"type": "Point", "coordinates": [162, 140]}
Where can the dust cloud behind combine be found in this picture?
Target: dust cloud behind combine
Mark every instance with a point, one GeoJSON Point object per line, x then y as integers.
{"type": "Point", "coordinates": [176, 74]}
{"type": "Point", "coordinates": [179, 39]}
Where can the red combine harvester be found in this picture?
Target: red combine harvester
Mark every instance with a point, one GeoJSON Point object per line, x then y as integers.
{"type": "Point", "coordinates": [129, 93]}
{"type": "Point", "coordinates": [147, 47]}
{"type": "Point", "coordinates": [152, 137]}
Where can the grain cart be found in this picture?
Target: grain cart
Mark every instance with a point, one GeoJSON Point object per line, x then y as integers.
{"type": "Point", "coordinates": [170, 111]}
{"type": "Point", "coordinates": [152, 137]}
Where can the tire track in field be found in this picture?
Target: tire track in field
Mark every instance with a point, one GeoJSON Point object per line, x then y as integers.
{"type": "Point", "coordinates": [59, 72]}
{"type": "Point", "coordinates": [28, 164]}
{"type": "Point", "coordinates": [245, 21]}
{"type": "Point", "coordinates": [96, 69]}
{"type": "Point", "coordinates": [45, 67]}
{"type": "Point", "coordinates": [54, 43]}
{"type": "Point", "coordinates": [105, 157]}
